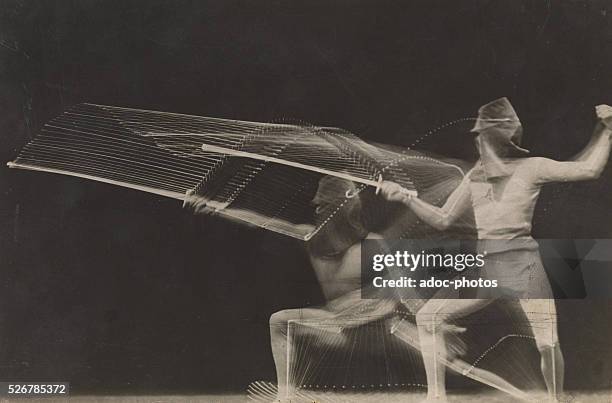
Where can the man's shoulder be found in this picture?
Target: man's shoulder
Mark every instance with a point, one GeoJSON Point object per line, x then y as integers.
{"type": "Point", "coordinates": [528, 169]}
{"type": "Point", "coordinates": [530, 163]}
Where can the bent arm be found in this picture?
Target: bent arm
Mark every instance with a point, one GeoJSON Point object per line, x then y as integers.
{"type": "Point", "coordinates": [438, 217]}
{"type": "Point", "coordinates": [588, 164]}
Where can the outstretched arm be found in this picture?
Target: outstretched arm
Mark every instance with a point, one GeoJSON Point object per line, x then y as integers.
{"type": "Point", "coordinates": [588, 164]}
{"type": "Point", "coordinates": [438, 217]}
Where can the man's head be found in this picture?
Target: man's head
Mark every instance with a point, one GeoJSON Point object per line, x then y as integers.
{"type": "Point", "coordinates": [499, 134]}
{"type": "Point", "coordinates": [338, 208]}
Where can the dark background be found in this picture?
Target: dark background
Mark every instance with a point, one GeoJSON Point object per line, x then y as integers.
{"type": "Point", "coordinates": [123, 292]}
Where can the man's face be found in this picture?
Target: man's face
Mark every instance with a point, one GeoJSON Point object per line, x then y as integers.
{"type": "Point", "coordinates": [518, 134]}
{"type": "Point", "coordinates": [317, 201]}
{"type": "Point", "coordinates": [331, 193]}
{"type": "Point", "coordinates": [489, 137]}
{"type": "Point", "coordinates": [340, 216]}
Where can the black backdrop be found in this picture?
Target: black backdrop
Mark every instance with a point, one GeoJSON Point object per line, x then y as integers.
{"type": "Point", "coordinates": [123, 292]}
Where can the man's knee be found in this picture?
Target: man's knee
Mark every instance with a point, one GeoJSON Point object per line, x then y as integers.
{"type": "Point", "coordinates": [547, 344]}
{"type": "Point", "coordinates": [422, 318]}
{"type": "Point", "coordinates": [280, 320]}
{"type": "Point", "coordinates": [546, 337]}
{"type": "Point", "coordinates": [429, 321]}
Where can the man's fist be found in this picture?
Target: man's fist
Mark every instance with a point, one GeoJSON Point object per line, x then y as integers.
{"type": "Point", "coordinates": [194, 203]}
{"type": "Point", "coordinates": [394, 192]}
{"type": "Point", "coordinates": [604, 112]}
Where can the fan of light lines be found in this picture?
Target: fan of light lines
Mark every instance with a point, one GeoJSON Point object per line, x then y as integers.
{"type": "Point", "coordinates": [263, 174]}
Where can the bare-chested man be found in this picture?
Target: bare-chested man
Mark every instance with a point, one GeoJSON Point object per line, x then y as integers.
{"type": "Point", "coordinates": [502, 189]}
{"type": "Point", "coordinates": [335, 257]}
